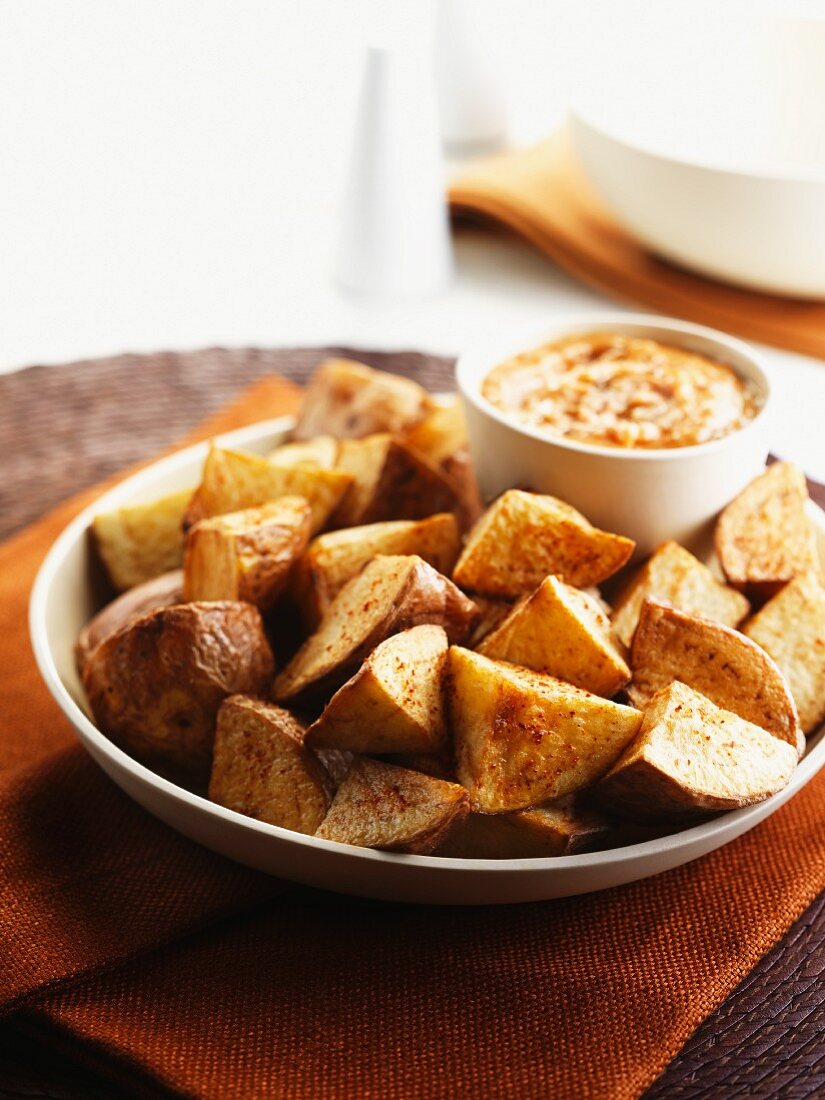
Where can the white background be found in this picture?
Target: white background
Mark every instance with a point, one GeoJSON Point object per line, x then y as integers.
{"type": "Point", "coordinates": [171, 172]}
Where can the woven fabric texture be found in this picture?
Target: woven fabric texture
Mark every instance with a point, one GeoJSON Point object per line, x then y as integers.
{"type": "Point", "coordinates": [165, 961]}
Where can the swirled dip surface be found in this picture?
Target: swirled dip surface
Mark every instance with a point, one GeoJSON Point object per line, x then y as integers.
{"type": "Point", "coordinates": [621, 391]}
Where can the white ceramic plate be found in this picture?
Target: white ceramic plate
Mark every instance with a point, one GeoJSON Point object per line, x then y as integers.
{"type": "Point", "coordinates": [63, 600]}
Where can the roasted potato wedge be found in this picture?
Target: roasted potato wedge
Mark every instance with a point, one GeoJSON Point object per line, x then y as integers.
{"type": "Point", "coordinates": [261, 768]}
{"type": "Point", "coordinates": [334, 558]}
{"type": "Point", "coordinates": [155, 685]}
{"type": "Point", "coordinates": [441, 435]}
{"type": "Point", "coordinates": [160, 592]}
{"type": "Point", "coordinates": [394, 701]}
{"type": "Point", "coordinates": [725, 666]}
{"type": "Point", "coordinates": [764, 538]}
{"type": "Point", "coordinates": [141, 541]}
{"type": "Point", "coordinates": [523, 738]}
{"type": "Point", "coordinates": [391, 594]}
{"type": "Point", "coordinates": [320, 451]}
{"type": "Point", "coordinates": [791, 629]}
{"type": "Point", "coordinates": [233, 481]}
{"type": "Point", "coordinates": [564, 633]}
{"type": "Point", "coordinates": [524, 537]}
{"type": "Point", "coordinates": [555, 829]}
{"type": "Point", "coordinates": [441, 438]}
{"type": "Point", "coordinates": [247, 555]}
{"type": "Point", "coordinates": [690, 757]}
{"type": "Point", "coordinates": [390, 482]}
{"type": "Point", "coordinates": [673, 575]}
{"type": "Point", "coordinates": [381, 806]}
{"type": "Point", "coordinates": [350, 400]}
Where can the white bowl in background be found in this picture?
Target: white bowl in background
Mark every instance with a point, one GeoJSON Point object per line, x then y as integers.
{"type": "Point", "coordinates": [712, 151]}
{"type": "Point", "coordinates": [63, 599]}
{"type": "Point", "coordinates": [649, 494]}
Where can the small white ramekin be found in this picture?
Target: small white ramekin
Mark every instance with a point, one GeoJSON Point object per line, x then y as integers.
{"type": "Point", "coordinates": [651, 495]}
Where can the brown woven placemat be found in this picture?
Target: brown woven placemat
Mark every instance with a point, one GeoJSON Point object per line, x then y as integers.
{"type": "Point", "coordinates": [62, 429]}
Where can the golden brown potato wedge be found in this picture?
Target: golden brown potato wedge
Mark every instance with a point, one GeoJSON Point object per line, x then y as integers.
{"type": "Point", "coordinates": [673, 575]}
{"type": "Point", "coordinates": [564, 633]}
{"type": "Point", "coordinates": [381, 806]}
{"type": "Point", "coordinates": [523, 738]}
{"type": "Point", "coordinates": [690, 757]}
{"type": "Point", "coordinates": [160, 592]}
{"type": "Point", "coordinates": [247, 555]}
{"type": "Point", "coordinates": [391, 594]}
{"type": "Point", "coordinates": [336, 557]}
{"type": "Point", "coordinates": [441, 438]}
{"type": "Point", "coordinates": [233, 481]}
{"type": "Point", "coordinates": [441, 435]}
{"type": "Point", "coordinates": [555, 829]}
{"type": "Point", "coordinates": [764, 538]}
{"type": "Point", "coordinates": [261, 768]}
{"type": "Point", "coordinates": [141, 541]}
{"type": "Point", "coordinates": [730, 669]}
{"type": "Point", "coordinates": [156, 684]}
{"type": "Point", "coordinates": [350, 400]}
{"type": "Point", "coordinates": [523, 537]}
{"type": "Point", "coordinates": [320, 451]}
{"type": "Point", "coordinates": [390, 482]}
{"type": "Point", "coordinates": [791, 629]}
{"type": "Point", "coordinates": [394, 701]}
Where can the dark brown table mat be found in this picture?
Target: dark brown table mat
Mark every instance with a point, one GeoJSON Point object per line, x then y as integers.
{"type": "Point", "coordinates": [62, 429]}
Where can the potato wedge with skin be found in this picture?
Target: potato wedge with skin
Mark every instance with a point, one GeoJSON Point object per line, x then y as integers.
{"type": "Point", "coordinates": [248, 555]}
{"type": "Point", "coordinates": [261, 768]}
{"type": "Point", "coordinates": [764, 538]}
{"type": "Point", "coordinates": [156, 684]}
{"type": "Point", "coordinates": [162, 591]}
{"type": "Point", "coordinates": [523, 537]}
{"type": "Point", "coordinates": [441, 435]}
{"type": "Point", "coordinates": [523, 738]}
{"type": "Point", "coordinates": [564, 633]}
{"type": "Point", "coordinates": [791, 629]}
{"type": "Point", "coordinates": [394, 701]}
{"type": "Point", "coordinates": [234, 480]}
{"type": "Point", "coordinates": [725, 666]}
{"type": "Point", "coordinates": [691, 757]}
{"type": "Point", "coordinates": [381, 806]}
{"type": "Point", "coordinates": [554, 829]}
{"type": "Point", "coordinates": [349, 400]}
{"type": "Point", "coordinates": [673, 575]}
{"type": "Point", "coordinates": [390, 482]}
{"type": "Point", "coordinates": [320, 451]}
{"type": "Point", "coordinates": [392, 593]}
{"type": "Point", "coordinates": [141, 541]}
{"type": "Point", "coordinates": [336, 557]}
{"type": "Point", "coordinates": [441, 438]}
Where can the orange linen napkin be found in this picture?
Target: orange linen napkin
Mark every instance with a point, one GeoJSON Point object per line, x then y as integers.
{"type": "Point", "coordinates": [541, 194]}
{"type": "Point", "coordinates": [175, 966]}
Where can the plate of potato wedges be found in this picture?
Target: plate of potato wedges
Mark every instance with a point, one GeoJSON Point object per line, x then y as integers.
{"type": "Point", "coordinates": [309, 646]}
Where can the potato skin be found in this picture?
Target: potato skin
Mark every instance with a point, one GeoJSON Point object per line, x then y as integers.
{"type": "Point", "coordinates": [156, 684]}
{"type": "Point", "coordinates": [162, 591]}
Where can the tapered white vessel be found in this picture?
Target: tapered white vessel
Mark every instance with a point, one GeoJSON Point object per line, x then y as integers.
{"type": "Point", "coordinates": [471, 95]}
{"type": "Point", "coordinates": [395, 239]}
